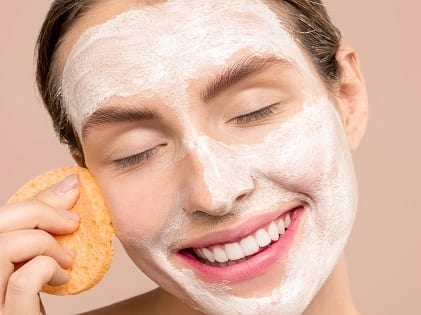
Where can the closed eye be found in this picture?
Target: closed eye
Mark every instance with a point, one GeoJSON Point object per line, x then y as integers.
{"type": "Point", "coordinates": [256, 115]}
{"type": "Point", "coordinates": [136, 159]}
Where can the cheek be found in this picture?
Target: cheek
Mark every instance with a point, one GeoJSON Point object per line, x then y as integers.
{"type": "Point", "coordinates": [298, 165]}
{"type": "Point", "coordinates": [297, 157]}
{"type": "Point", "coordinates": [140, 205]}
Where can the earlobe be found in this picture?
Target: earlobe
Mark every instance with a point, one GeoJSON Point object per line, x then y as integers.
{"type": "Point", "coordinates": [353, 103]}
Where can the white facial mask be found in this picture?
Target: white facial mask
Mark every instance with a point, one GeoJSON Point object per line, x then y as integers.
{"type": "Point", "coordinates": [309, 152]}
{"type": "Point", "coordinates": [117, 57]}
{"type": "Point", "coordinates": [160, 50]}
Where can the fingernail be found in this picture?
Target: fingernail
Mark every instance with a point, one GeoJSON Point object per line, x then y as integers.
{"type": "Point", "coordinates": [70, 215]}
{"type": "Point", "coordinates": [68, 184]}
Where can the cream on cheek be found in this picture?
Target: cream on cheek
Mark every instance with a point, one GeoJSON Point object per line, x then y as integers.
{"type": "Point", "coordinates": [308, 159]}
{"type": "Point", "coordinates": [160, 53]}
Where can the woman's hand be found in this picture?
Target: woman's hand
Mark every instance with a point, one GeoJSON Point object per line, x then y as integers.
{"type": "Point", "coordinates": [29, 255]}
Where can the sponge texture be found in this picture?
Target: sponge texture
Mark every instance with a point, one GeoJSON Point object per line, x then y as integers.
{"type": "Point", "coordinates": [92, 242]}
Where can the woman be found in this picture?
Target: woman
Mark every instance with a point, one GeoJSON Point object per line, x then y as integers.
{"type": "Point", "coordinates": [220, 135]}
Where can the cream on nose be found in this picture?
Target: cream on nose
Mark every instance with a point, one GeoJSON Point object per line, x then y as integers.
{"type": "Point", "coordinates": [223, 180]}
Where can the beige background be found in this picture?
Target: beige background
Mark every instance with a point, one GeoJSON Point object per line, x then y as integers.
{"type": "Point", "coordinates": [384, 252]}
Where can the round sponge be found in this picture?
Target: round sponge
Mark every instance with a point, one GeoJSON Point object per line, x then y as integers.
{"type": "Point", "coordinates": [91, 242]}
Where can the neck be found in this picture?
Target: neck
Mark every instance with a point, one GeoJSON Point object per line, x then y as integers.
{"type": "Point", "coordinates": [334, 297]}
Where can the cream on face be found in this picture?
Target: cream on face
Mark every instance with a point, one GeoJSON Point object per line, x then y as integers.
{"type": "Point", "coordinates": [161, 50]}
{"type": "Point", "coordinates": [309, 153]}
{"type": "Point", "coordinates": [116, 58]}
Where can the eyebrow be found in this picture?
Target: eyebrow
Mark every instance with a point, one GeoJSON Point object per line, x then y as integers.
{"type": "Point", "coordinates": [114, 114]}
{"type": "Point", "coordinates": [239, 71]}
{"type": "Point", "coordinates": [228, 77]}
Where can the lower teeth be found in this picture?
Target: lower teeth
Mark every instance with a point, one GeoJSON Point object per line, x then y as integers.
{"type": "Point", "coordinates": [224, 264]}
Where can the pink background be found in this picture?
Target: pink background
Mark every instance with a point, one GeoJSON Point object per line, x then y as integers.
{"type": "Point", "coordinates": [384, 252]}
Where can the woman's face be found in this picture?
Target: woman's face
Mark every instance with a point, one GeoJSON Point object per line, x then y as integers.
{"type": "Point", "coordinates": [222, 158]}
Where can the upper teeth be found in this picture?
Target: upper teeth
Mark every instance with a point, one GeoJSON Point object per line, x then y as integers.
{"type": "Point", "coordinates": [248, 245]}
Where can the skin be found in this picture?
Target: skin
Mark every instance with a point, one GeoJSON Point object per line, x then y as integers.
{"type": "Point", "coordinates": [47, 260]}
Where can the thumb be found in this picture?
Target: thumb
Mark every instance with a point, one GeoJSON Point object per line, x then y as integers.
{"type": "Point", "coordinates": [62, 195]}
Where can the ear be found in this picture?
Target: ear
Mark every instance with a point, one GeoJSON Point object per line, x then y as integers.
{"type": "Point", "coordinates": [352, 98]}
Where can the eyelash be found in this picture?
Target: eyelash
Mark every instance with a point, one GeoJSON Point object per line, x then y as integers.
{"type": "Point", "coordinates": [145, 156]}
{"type": "Point", "coordinates": [135, 159]}
{"type": "Point", "coordinates": [256, 115]}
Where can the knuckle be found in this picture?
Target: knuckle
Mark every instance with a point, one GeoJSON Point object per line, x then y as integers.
{"type": "Point", "coordinates": [29, 209]}
{"type": "Point", "coordinates": [46, 263]}
{"type": "Point", "coordinates": [24, 280]}
{"type": "Point", "coordinates": [35, 204]}
{"type": "Point", "coordinates": [40, 239]}
{"type": "Point", "coordinates": [45, 237]}
{"type": "Point", "coordinates": [18, 283]}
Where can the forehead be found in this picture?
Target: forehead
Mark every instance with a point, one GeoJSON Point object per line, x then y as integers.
{"type": "Point", "coordinates": [166, 46]}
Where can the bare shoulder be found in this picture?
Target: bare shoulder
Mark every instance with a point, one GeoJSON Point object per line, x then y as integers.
{"type": "Point", "coordinates": [142, 304]}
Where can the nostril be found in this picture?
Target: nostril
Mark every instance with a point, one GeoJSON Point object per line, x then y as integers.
{"type": "Point", "coordinates": [243, 195]}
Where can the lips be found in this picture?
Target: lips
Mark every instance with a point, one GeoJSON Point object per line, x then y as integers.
{"type": "Point", "coordinates": [226, 254]}
{"type": "Point", "coordinates": [248, 256]}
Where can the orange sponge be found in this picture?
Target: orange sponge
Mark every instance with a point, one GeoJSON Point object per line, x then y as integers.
{"type": "Point", "coordinates": [92, 242]}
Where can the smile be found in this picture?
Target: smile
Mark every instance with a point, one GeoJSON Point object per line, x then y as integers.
{"type": "Point", "coordinates": [232, 253]}
{"type": "Point", "coordinates": [248, 256]}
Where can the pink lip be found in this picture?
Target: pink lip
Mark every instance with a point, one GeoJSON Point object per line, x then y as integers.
{"type": "Point", "coordinates": [254, 265]}
{"type": "Point", "coordinates": [241, 230]}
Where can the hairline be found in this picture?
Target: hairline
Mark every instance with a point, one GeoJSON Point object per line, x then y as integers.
{"type": "Point", "coordinates": [279, 8]}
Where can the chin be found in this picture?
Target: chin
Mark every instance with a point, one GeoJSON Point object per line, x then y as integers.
{"type": "Point", "coordinates": [301, 217]}
{"type": "Point", "coordinates": [282, 278]}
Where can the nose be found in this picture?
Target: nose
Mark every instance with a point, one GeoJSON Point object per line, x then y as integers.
{"type": "Point", "coordinates": [217, 180]}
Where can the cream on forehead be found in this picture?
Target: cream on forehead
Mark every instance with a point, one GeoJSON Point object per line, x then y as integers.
{"type": "Point", "coordinates": [159, 49]}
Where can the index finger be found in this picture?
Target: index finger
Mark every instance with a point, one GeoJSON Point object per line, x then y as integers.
{"type": "Point", "coordinates": [34, 214]}
{"type": "Point", "coordinates": [46, 210]}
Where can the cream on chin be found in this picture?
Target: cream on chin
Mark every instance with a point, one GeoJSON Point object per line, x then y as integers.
{"type": "Point", "coordinates": [306, 158]}
{"type": "Point", "coordinates": [322, 159]}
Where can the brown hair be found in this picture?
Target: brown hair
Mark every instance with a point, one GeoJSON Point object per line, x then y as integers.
{"type": "Point", "coordinates": [308, 21]}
